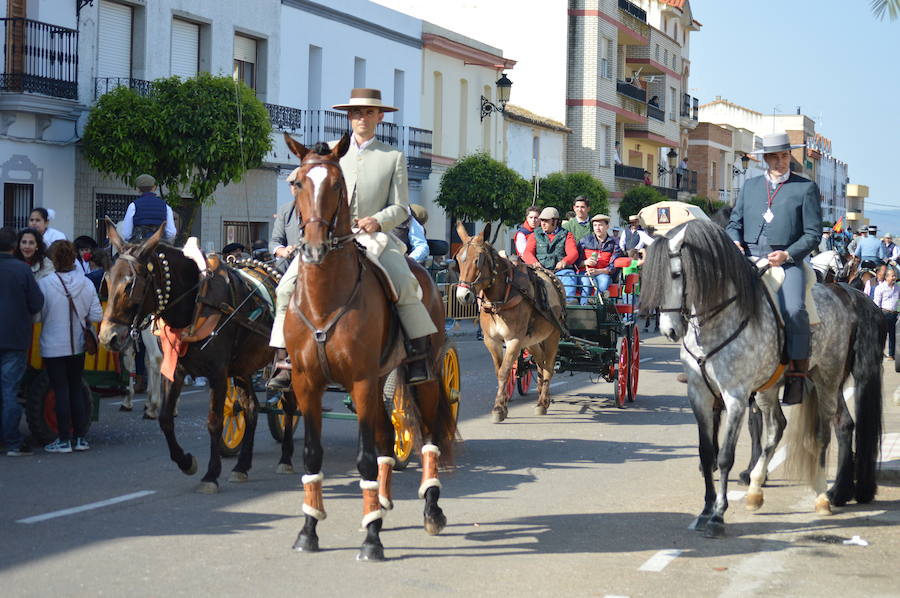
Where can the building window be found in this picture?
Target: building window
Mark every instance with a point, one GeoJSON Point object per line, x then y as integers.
{"type": "Point", "coordinates": [657, 52]}
{"type": "Point", "coordinates": [605, 52]}
{"type": "Point", "coordinates": [437, 137]}
{"type": "Point", "coordinates": [237, 232]}
{"type": "Point", "coordinates": [314, 79]}
{"type": "Point", "coordinates": [114, 40]}
{"type": "Point", "coordinates": [715, 176]}
{"type": "Point", "coordinates": [536, 156]}
{"type": "Point", "coordinates": [463, 117]}
{"type": "Point", "coordinates": [359, 72]}
{"type": "Point", "coordinates": [665, 57]}
{"type": "Point", "coordinates": [399, 95]}
{"type": "Point", "coordinates": [604, 145]}
{"type": "Point", "coordinates": [245, 60]}
{"type": "Point", "coordinates": [673, 94]}
{"type": "Point", "coordinates": [18, 200]}
{"type": "Point", "coordinates": [185, 59]}
{"type": "Point", "coordinates": [112, 206]}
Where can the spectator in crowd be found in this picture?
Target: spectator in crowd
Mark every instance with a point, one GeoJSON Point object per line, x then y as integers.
{"type": "Point", "coordinates": [89, 259]}
{"type": "Point", "coordinates": [579, 225]}
{"type": "Point", "coordinates": [20, 299]}
{"type": "Point", "coordinates": [648, 180]}
{"type": "Point", "coordinates": [654, 101]}
{"type": "Point", "coordinates": [681, 171]}
{"type": "Point", "coordinates": [598, 252]}
{"type": "Point", "coordinates": [235, 249]}
{"type": "Point", "coordinates": [418, 244]}
{"type": "Point", "coordinates": [890, 248]}
{"type": "Point", "coordinates": [869, 248]}
{"type": "Point", "coordinates": [69, 300]}
{"type": "Point", "coordinates": [854, 241]}
{"type": "Point", "coordinates": [554, 249]}
{"type": "Point", "coordinates": [524, 230]}
{"type": "Point", "coordinates": [40, 221]}
{"type": "Point", "coordinates": [886, 295]}
{"type": "Point", "coordinates": [144, 215]}
{"type": "Point", "coordinates": [826, 244]}
{"type": "Point", "coordinates": [30, 249]}
{"type": "Point", "coordinates": [634, 237]}
{"type": "Point", "coordinates": [872, 282]}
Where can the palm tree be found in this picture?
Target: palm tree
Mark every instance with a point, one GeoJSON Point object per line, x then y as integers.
{"type": "Point", "coordinates": [889, 7]}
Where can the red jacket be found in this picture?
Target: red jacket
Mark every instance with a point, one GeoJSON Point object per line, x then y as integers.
{"type": "Point", "coordinates": [530, 255]}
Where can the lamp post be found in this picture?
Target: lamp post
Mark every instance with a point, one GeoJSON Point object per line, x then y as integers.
{"type": "Point", "coordinates": [735, 172]}
{"type": "Point", "coordinates": [503, 89]}
{"type": "Point", "coordinates": [671, 157]}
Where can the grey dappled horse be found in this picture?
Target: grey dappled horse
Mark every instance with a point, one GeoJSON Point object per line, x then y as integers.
{"type": "Point", "coordinates": [711, 298]}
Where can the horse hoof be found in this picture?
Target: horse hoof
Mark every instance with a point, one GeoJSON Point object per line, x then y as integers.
{"type": "Point", "coordinates": [699, 524]}
{"type": "Point", "coordinates": [714, 529]}
{"type": "Point", "coordinates": [124, 408]}
{"type": "Point", "coordinates": [823, 505]}
{"type": "Point", "coordinates": [754, 501]}
{"type": "Point", "coordinates": [148, 415]}
{"type": "Point", "coordinates": [371, 552]}
{"type": "Point", "coordinates": [192, 468]}
{"type": "Point", "coordinates": [207, 488]}
{"type": "Point", "coordinates": [305, 543]}
{"type": "Point", "coordinates": [238, 477]}
{"type": "Point", "coordinates": [435, 524]}
{"type": "Point", "coordinates": [540, 410]}
{"type": "Point", "coordinates": [498, 415]}
{"type": "Point", "coordinates": [284, 468]}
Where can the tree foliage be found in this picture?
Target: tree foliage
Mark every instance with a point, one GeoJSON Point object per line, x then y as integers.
{"type": "Point", "coordinates": [191, 135]}
{"type": "Point", "coordinates": [638, 198]}
{"type": "Point", "coordinates": [478, 187]}
{"type": "Point", "coordinates": [709, 206]}
{"type": "Point", "coordinates": [560, 189]}
{"type": "Point", "coordinates": [880, 8]}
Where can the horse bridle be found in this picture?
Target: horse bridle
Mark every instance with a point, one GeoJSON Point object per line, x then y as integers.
{"type": "Point", "coordinates": [331, 242]}
{"type": "Point", "coordinates": [470, 285]}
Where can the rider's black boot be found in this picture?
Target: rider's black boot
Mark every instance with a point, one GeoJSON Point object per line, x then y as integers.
{"type": "Point", "coordinates": [281, 378]}
{"type": "Point", "coordinates": [417, 365]}
{"type": "Point", "coordinates": [795, 385]}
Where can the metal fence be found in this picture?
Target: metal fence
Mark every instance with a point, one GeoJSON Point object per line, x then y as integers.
{"type": "Point", "coordinates": [104, 85]}
{"type": "Point", "coordinates": [39, 58]}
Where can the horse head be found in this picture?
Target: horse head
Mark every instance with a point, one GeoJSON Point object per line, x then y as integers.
{"type": "Point", "coordinates": [127, 281]}
{"type": "Point", "coordinates": [320, 197]}
{"type": "Point", "coordinates": [475, 261]}
{"type": "Point", "coordinates": [672, 310]}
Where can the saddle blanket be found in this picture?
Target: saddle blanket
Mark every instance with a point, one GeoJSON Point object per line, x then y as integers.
{"type": "Point", "coordinates": [774, 278]}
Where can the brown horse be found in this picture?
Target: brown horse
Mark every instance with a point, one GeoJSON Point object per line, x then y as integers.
{"type": "Point", "coordinates": [152, 277]}
{"type": "Point", "coordinates": [340, 329]}
{"type": "Point", "coordinates": [506, 319]}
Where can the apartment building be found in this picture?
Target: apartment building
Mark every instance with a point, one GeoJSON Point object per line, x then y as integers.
{"type": "Point", "coordinates": [534, 145]}
{"type": "Point", "coordinates": [721, 157]}
{"type": "Point", "coordinates": [627, 80]}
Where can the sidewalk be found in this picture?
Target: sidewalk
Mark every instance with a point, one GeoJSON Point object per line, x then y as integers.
{"type": "Point", "coordinates": [890, 447]}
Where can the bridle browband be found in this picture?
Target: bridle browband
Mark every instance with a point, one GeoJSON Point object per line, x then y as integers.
{"type": "Point", "coordinates": [331, 242]}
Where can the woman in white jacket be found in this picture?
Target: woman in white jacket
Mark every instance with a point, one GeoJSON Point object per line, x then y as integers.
{"type": "Point", "coordinates": [62, 344]}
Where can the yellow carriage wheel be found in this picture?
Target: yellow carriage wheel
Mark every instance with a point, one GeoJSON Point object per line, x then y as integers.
{"type": "Point", "coordinates": [450, 380]}
{"type": "Point", "coordinates": [234, 423]}
{"type": "Point", "coordinates": [404, 435]}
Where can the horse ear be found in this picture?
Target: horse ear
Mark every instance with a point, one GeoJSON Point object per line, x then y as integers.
{"type": "Point", "coordinates": [676, 241]}
{"type": "Point", "coordinates": [297, 148]}
{"type": "Point", "coordinates": [341, 148]}
{"type": "Point", "coordinates": [151, 243]}
{"type": "Point", "coordinates": [462, 232]}
{"type": "Point", "coordinates": [113, 235]}
{"type": "Point", "coordinates": [486, 232]}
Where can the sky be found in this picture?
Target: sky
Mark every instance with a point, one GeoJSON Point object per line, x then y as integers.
{"type": "Point", "coordinates": [830, 57]}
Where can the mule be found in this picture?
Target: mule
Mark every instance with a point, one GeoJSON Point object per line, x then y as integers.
{"type": "Point", "coordinates": [156, 278]}
{"type": "Point", "coordinates": [711, 298]}
{"type": "Point", "coordinates": [507, 320]}
{"type": "Point", "coordinates": [340, 329]}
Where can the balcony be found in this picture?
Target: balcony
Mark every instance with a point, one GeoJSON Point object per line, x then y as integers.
{"type": "Point", "coordinates": [688, 182]}
{"type": "Point", "coordinates": [656, 112]}
{"type": "Point", "coordinates": [633, 9]}
{"type": "Point", "coordinates": [39, 58]}
{"type": "Point", "coordinates": [632, 91]}
{"type": "Point", "coordinates": [284, 117]}
{"type": "Point", "coordinates": [104, 85]}
{"type": "Point", "coordinates": [633, 173]}
{"type": "Point", "coordinates": [667, 192]}
{"type": "Point", "coordinates": [690, 111]}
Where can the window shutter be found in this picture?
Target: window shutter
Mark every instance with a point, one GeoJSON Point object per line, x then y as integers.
{"type": "Point", "coordinates": [244, 49]}
{"type": "Point", "coordinates": [185, 48]}
{"type": "Point", "coordinates": [114, 43]}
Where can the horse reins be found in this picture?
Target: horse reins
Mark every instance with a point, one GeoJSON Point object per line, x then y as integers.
{"type": "Point", "coordinates": [486, 305]}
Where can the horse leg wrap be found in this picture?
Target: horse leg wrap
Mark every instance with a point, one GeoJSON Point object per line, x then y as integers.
{"type": "Point", "coordinates": [430, 454]}
{"type": "Point", "coordinates": [385, 471]}
{"type": "Point", "coordinates": [313, 505]}
{"type": "Point", "coordinates": [371, 506]}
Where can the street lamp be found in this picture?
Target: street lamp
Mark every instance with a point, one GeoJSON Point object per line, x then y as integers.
{"type": "Point", "coordinates": [671, 157]}
{"type": "Point", "coordinates": [745, 162]}
{"type": "Point", "coordinates": [503, 88]}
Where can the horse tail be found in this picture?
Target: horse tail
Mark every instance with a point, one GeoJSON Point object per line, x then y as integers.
{"type": "Point", "coordinates": [802, 439]}
{"type": "Point", "coordinates": [867, 371]}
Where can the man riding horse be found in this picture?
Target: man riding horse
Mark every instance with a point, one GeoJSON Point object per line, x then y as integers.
{"type": "Point", "coordinates": [375, 174]}
{"type": "Point", "coordinates": [778, 217]}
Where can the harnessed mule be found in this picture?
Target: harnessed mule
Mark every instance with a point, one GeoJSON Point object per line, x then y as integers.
{"type": "Point", "coordinates": [340, 327]}
{"type": "Point", "coordinates": [711, 299]}
{"type": "Point", "coordinates": [154, 278]}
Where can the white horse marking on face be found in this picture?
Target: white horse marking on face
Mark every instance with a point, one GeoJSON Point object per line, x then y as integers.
{"type": "Point", "coordinates": [317, 174]}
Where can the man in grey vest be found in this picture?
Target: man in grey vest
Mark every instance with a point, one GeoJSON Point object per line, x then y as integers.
{"type": "Point", "coordinates": [778, 217]}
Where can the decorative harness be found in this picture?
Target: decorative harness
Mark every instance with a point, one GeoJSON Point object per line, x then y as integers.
{"type": "Point", "coordinates": [486, 305]}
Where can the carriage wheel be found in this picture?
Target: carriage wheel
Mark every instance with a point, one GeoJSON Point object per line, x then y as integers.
{"type": "Point", "coordinates": [450, 379]}
{"type": "Point", "coordinates": [404, 433]}
{"type": "Point", "coordinates": [525, 379]}
{"type": "Point", "coordinates": [511, 379]}
{"type": "Point", "coordinates": [40, 408]}
{"type": "Point", "coordinates": [635, 364]}
{"type": "Point", "coordinates": [276, 419]}
{"type": "Point", "coordinates": [621, 384]}
{"type": "Point", "coordinates": [234, 422]}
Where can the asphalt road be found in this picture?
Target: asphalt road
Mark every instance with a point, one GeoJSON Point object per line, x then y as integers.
{"type": "Point", "coordinates": [589, 500]}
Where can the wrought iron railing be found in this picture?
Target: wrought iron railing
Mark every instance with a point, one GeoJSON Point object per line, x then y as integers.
{"type": "Point", "coordinates": [39, 58]}
{"type": "Point", "coordinates": [418, 143]}
{"type": "Point", "coordinates": [632, 91]}
{"type": "Point", "coordinates": [285, 117]}
{"type": "Point", "coordinates": [656, 112]}
{"type": "Point", "coordinates": [104, 85]}
{"type": "Point", "coordinates": [634, 10]}
{"type": "Point", "coordinates": [667, 192]}
{"type": "Point", "coordinates": [635, 173]}
{"type": "Point", "coordinates": [688, 181]}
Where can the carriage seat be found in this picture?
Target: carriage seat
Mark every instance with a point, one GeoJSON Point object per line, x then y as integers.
{"type": "Point", "coordinates": [774, 278]}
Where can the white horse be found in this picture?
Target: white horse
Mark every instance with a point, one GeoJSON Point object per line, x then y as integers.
{"type": "Point", "coordinates": [830, 261]}
{"type": "Point", "coordinates": [152, 363]}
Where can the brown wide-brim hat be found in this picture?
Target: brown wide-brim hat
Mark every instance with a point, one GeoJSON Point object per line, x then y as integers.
{"type": "Point", "coordinates": [364, 97]}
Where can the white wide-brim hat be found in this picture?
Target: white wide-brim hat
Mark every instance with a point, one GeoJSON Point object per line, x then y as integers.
{"type": "Point", "coordinates": [364, 97]}
{"type": "Point", "coordinates": [776, 142]}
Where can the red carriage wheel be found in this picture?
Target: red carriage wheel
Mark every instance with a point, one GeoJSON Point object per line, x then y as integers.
{"type": "Point", "coordinates": [621, 383]}
{"type": "Point", "coordinates": [635, 364]}
{"type": "Point", "coordinates": [524, 381]}
{"type": "Point", "coordinates": [511, 380]}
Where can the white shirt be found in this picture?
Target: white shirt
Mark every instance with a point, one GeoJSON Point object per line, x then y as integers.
{"type": "Point", "coordinates": [775, 181]}
{"type": "Point", "coordinates": [51, 235]}
{"type": "Point", "coordinates": [128, 223]}
{"type": "Point", "coordinates": [365, 143]}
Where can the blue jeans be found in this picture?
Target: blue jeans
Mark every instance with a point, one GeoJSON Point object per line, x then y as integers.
{"type": "Point", "coordinates": [12, 367]}
{"type": "Point", "coordinates": [601, 281]}
{"type": "Point", "coordinates": [569, 281]}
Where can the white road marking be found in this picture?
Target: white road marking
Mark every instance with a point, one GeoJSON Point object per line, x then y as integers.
{"type": "Point", "coordinates": [133, 401]}
{"type": "Point", "coordinates": [736, 494]}
{"type": "Point", "coordinates": [777, 459]}
{"type": "Point", "coordinates": [560, 383]}
{"type": "Point", "coordinates": [614, 596]}
{"type": "Point", "coordinates": [87, 507]}
{"type": "Point", "coordinates": [643, 359]}
{"type": "Point", "coordinates": [660, 560]}
{"type": "Point", "coordinates": [890, 446]}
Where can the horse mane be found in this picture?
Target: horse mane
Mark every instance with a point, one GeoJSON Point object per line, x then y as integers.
{"type": "Point", "coordinates": [321, 148]}
{"type": "Point", "coordinates": [713, 270]}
